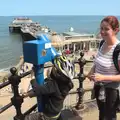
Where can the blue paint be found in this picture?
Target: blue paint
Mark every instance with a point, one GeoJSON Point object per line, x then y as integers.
{"type": "Point", "coordinates": [38, 52]}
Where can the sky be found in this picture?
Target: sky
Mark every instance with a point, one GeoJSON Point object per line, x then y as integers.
{"type": "Point", "coordinates": [59, 7]}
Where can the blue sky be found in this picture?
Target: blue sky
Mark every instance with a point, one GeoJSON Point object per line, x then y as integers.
{"type": "Point", "coordinates": [59, 7]}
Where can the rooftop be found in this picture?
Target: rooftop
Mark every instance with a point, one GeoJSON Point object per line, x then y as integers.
{"type": "Point", "coordinates": [76, 34]}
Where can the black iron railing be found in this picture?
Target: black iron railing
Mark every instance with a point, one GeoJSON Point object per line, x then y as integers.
{"type": "Point", "coordinates": [17, 99]}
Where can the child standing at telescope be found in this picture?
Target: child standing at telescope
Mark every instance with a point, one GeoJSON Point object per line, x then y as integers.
{"type": "Point", "coordinates": [54, 91]}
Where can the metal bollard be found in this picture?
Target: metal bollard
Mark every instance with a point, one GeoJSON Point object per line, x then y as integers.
{"type": "Point", "coordinates": [16, 100]}
{"type": "Point", "coordinates": [81, 62]}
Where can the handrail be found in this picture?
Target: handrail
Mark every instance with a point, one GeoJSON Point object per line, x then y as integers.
{"type": "Point", "coordinates": [25, 74]}
{"type": "Point", "coordinates": [17, 99]}
{"type": "Point", "coordinates": [5, 107]}
{"type": "Point", "coordinates": [21, 76]}
{"type": "Point", "coordinates": [30, 110]}
{"type": "Point", "coordinates": [4, 84]}
{"type": "Point", "coordinates": [85, 90]}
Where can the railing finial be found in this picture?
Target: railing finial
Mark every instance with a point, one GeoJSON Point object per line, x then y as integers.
{"type": "Point", "coordinates": [16, 100]}
{"type": "Point", "coordinates": [13, 70]}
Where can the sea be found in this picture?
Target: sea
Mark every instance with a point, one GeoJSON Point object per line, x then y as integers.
{"type": "Point", "coordinates": [11, 44]}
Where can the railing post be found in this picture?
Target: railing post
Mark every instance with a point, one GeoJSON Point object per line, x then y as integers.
{"type": "Point", "coordinates": [81, 62]}
{"type": "Point", "coordinates": [16, 100]}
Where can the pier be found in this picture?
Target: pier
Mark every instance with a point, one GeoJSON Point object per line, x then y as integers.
{"type": "Point", "coordinates": [16, 24]}
{"type": "Point", "coordinates": [31, 31]}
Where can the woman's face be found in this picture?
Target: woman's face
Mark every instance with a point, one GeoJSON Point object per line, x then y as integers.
{"type": "Point", "coordinates": [106, 31]}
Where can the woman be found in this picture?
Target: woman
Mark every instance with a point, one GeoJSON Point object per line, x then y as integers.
{"type": "Point", "coordinates": [104, 73]}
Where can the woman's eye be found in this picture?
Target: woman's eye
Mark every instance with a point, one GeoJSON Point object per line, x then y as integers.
{"type": "Point", "coordinates": [104, 29]}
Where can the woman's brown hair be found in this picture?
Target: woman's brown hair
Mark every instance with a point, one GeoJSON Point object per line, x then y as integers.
{"type": "Point", "coordinates": [113, 22]}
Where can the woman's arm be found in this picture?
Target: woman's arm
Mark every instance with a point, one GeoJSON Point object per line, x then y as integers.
{"type": "Point", "coordinates": [112, 78]}
{"type": "Point", "coordinates": [100, 77]}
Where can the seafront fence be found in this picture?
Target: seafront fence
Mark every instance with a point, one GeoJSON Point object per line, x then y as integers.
{"type": "Point", "coordinates": [17, 98]}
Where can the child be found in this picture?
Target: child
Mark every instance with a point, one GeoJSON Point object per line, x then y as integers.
{"type": "Point", "coordinates": [55, 90]}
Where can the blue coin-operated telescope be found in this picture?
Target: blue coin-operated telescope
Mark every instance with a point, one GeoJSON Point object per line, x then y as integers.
{"type": "Point", "coordinates": [38, 52]}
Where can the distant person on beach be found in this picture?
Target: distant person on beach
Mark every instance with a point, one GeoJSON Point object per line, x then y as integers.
{"type": "Point", "coordinates": [54, 91]}
{"type": "Point", "coordinates": [104, 73]}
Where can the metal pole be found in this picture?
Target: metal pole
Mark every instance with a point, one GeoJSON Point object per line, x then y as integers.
{"type": "Point", "coordinates": [39, 76]}
{"type": "Point", "coordinates": [81, 62]}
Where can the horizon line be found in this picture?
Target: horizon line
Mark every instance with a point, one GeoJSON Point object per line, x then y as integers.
{"type": "Point", "coordinates": [51, 15]}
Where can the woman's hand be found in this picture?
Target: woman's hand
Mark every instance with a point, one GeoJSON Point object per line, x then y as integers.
{"type": "Point", "coordinates": [97, 77]}
{"type": "Point", "coordinates": [89, 77]}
